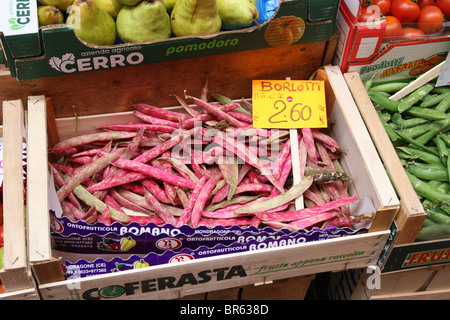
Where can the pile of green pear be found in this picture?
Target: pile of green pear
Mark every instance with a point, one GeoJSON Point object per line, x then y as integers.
{"type": "Point", "coordinates": [103, 22]}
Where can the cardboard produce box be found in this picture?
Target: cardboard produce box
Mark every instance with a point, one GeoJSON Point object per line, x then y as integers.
{"type": "Point", "coordinates": [33, 52]}
{"type": "Point", "coordinates": [363, 48]}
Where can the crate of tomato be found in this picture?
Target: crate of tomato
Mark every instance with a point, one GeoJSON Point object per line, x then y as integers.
{"type": "Point", "coordinates": [395, 39]}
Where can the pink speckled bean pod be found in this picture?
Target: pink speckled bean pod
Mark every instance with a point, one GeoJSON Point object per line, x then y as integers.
{"type": "Point", "coordinates": [202, 198]}
{"type": "Point", "coordinates": [155, 189]}
{"type": "Point", "coordinates": [127, 203]}
{"type": "Point", "coordinates": [218, 113]}
{"type": "Point", "coordinates": [154, 173]}
{"type": "Point", "coordinates": [160, 210]}
{"type": "Point", "coordinates": [254, 187]}
{"type": "Point", "coordinates": [94, 137]}
{"type": "Point", "coordinates": [328, 141]}
{"type": "Point", "coordinates": [310, 145]}
{"type": "Point", "coordinates": [242, 151]}
{"type": "Point", "coordinates": [281, 159]}
{"type": "Point", "coordinates": [187, 211]}
{"type": "Point", "coordinates": [306, 212]}
{"type": "Point", "coordinates": [137, 126]}
{"type": "Point", "coordinates": [160, 113]}
{"type": "Point", "coordinates": [155, 120]}
{"type": "Point", "coordinates": [310, 221]}
{"type": "Point", "coordinates": [87, 171]}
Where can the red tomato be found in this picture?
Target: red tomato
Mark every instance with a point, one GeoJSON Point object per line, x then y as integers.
{"type": "Point", "coordinates": [384, 5]}
{"type": "Point", "coordinates": [430, 19]}
{"type": "Point", "coordinates": [423, 3]}
{"type": "Point", "coordinates": [405, 10]}
{"type": "Point", "coordinates": [444, 5]}
{"type": "Point", "coordinates": [369, 14]}
{"type": "Point", "coordinates": [1, 236]}
{"type": "Point", "coordinates": [412, 33]}
{"type": "Point", "coordinates": [393, 27]}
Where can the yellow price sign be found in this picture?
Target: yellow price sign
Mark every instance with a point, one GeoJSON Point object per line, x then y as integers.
{"type": "Point", "coordinates": [286, 104]}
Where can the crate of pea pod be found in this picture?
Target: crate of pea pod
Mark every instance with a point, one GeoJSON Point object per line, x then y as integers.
{"type": "Point", "coordinates": [409, 122]}
{"type": "Point", "coordinates": [414, 147]}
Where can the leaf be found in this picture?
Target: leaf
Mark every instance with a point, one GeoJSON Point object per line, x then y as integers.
{"type": "Point", "coordinates": [68, 57]}
{"type": "Point", "coordinates": [55, 63]}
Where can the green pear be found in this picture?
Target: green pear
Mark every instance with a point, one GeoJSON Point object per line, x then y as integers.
{"type": "Point", "coordinates": [129, 2]}
{"type": "Point", "coordinates": [60, 4]}
{"type": "Point", "coordinates": [91, 24]}
{"type": "Point", "coordinates": [48, 15]}
{"type": "Point", "coordinates": [111, 6]}
{"type": "Point", "coordinates": [146, 21]}
{"type": "Point", "coordinates": [195, 17]}
{"type": "Point", "coordinates": [237, 14]}
{"type": "Point", "coordinates": [169, 4]}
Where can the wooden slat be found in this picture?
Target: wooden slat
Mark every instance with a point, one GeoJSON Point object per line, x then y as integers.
{"type": "Point", "coordinates": [420, 81]}
{"type": "Point", "coordinates": [260, 266]}
{"type": "Point", "coordinates": [362, 160]}
{"type": "Point", "coordinates": [15, 274]}
{"type": "Point", "coordinates": [37, 180]}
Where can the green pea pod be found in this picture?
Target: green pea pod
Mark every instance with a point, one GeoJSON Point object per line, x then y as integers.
{"type": "Point", "coordinates": [397, 119]}
{"type": "Point", "coordinates": [437, 215]}
{"type": "Point", "coordinates": [415, 143]}
{"type": "Point", "coordinates": [393, 136]}
{"type": "Point", "coordinates": [383, 101]}
{"type": "Point", "coordinates": [416, 153]}
{"type": "Point", "coordinates": [442, 89]}
{"type": "Point", "coordinates": [414, 97]}
{"type": "Point", "coordinates": [389, 87]}
{"type": "Point", "coordinates": [441, 148]}
{"type": "Point", "coordinates": [423, 189]}
{"type": "Point", "coordinates": [416, 131]}
{"type": "Point", "coordinates": [429, 171]}
{"type": "Point", "coordinates": [446, 138]}
{"type": "Point", "coordinates": [437, 126]}
{"type": "Point", "coordinates": [429, 114]}
{"type": "Point", "coordinates": [434, 232]}
{"type": "Point", "coordinates": [368, 83]}
{"type": "Point", "coordinates": [444, 105]}
{"type": "Point", "coordinates": [434, 100]}
{"type": "Point", "coordinates": [428, 222]}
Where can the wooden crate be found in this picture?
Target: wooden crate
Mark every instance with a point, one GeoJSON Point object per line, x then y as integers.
{"type": "Point", "coordinates": [361, 162]}
{"type": "Point", "coordinates": [15, 274]}
{"type": "Point", "coordinates": [425, 283]}
{"type": "Point", "coordinates": [411, 214]}
{"type": "Point", "coordinates": [285, 289]}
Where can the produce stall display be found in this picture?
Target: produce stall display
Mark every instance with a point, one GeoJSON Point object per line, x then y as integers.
{"type": "Point", "coordinates": [244, 251]}
{"type": "Point", "coordinates": [250, 178]}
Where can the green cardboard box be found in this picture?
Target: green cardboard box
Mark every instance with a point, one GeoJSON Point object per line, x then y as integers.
{"type": "Point", "coordinates": [35, 52]}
